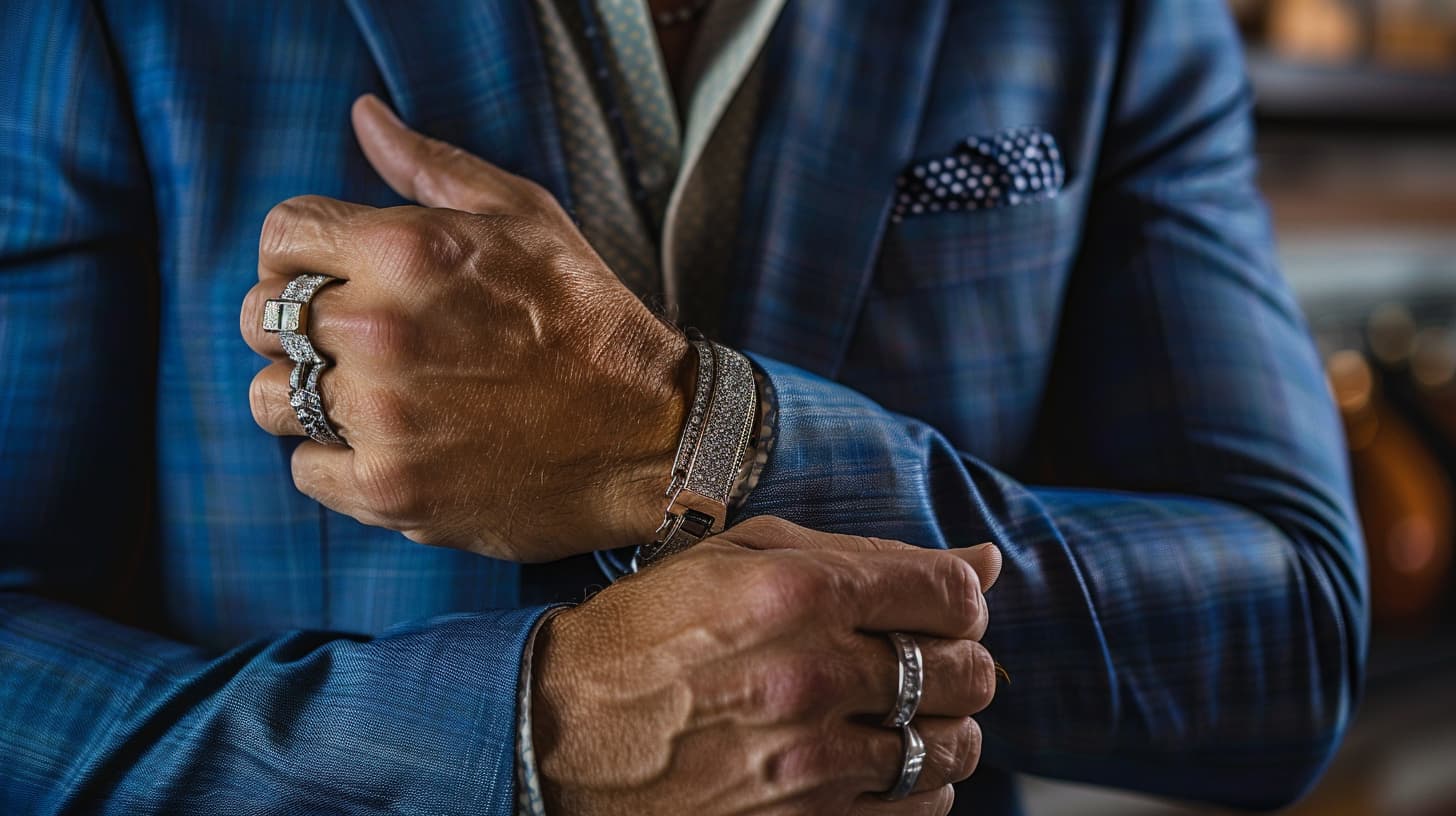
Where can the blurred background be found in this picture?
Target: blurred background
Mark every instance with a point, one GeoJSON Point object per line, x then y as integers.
{"type": "Point", "coordinates": [1356, 103]}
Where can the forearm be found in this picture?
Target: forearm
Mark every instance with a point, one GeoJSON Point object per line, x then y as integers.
{"type": "Point", "coordinates": [1142, 632]}
{"type": "Point", "coordinates": [103, 718]}
{"type": "Point", "coordinates": [1176, 645]}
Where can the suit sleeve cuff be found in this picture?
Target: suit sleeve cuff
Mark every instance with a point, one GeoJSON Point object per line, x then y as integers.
{"type": "Point", "coordinates": [835, 450]}
{"type": "Point", "coordinates": [529, 801]}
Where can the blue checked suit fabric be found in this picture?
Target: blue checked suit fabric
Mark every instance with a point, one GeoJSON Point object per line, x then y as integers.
{"type": "Point", "coordinates": [1112, 384]}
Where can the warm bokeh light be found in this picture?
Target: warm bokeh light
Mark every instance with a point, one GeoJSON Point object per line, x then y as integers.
{"type": "Point", "coordinates": [1356, 103]}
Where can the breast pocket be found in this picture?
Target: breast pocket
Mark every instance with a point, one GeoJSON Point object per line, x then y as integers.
{"type": "Point", "coordinates": [959, 324]}
{"type": "Point", "coordinates": [1037, 238]}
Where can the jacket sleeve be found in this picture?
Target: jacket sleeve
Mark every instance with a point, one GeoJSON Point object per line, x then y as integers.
{"type": "Point", "coordinates": [101, 717]}
{"type": "Point", "coordinates": [1189, 618]}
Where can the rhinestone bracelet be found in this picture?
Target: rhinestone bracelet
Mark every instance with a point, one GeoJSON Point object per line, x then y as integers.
{"type": "Point", "coordinates": [710, 452]}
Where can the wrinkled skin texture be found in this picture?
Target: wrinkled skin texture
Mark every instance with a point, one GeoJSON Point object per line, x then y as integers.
{"type": "Point", "coordinates": [749, 675]}
{"type": "Point", "coordinates": [501, 391]}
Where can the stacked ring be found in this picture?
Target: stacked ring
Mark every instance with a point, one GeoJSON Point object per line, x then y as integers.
{"type": "Point", "coordinates": [912, 680]}
{"type": "Point", "coordinates": [911, 765]}
{"type": "Point", "coordinates": [287, 316]}
{"type": "Point", "coordinates": [308, 405]}
{"type": "Point", "coordinates": [909, 689]}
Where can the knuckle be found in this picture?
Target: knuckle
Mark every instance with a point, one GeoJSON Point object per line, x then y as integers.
{"type": "Point", "coordinates": [303, 476]}
{"type": "Point", "coordinates": [757, 532]}
{"type": "Point", "coordinates": [382, 410]}
{"type": "Point", "coordinates": [401, 242]}
{"type": "Point", "coordinates": [943, 801]}
{"type": "Point", "coordinates": [308, 476]}
{"type": "Point", "coordinates": [277, 227]}
{"type": "Point", "coordinates": [521, 236]}
{"type": "Point", "coordinates": [774, 524]}
{"type": "Point", "coordinates": [380, 334]}
{"type": "Point", "coordinates": [257, 396]}
{"type": "Point", "coordinates": [886, 544]}
{"type": "Point", "coordinates": [267, 411]}
{"type": "Point", "coordinates": [792, 536]}
{"type": "Point", "coordinates": [416, 241]}
{"type": "Point", "coordinates": [799, 764]}
{"type": "Point", "coordinates": [796, 689]}
{"type": "Point", "coordinates": [448, 237]}
{"type": "Point", "coordinates": [757, 524]}
{"type": "Point", "coordinates": [785, 590]}
{"type": "Point", "coordinates": [251, 315]}
{"type": "Point", "coordinates": [958, 755]}
{"type": "Point", "coordinates": [980, 614]}
{"type": "Point", "coordinates": [982, 675]}
{"type": "Point", "coordinates": [400, 234]}
{"type": "Point", "coordinates": [972, 755]}
{"type": "Point", "coordinates": [961, 587]}
{"type": "Point", "coordinates": [281, 223]}
{"type": "Point", "coordinates": [275, 235]}
{"type": "Point", "coordinates": [385, 488]}
{"type": "Point", "coordinates": [441, 152]}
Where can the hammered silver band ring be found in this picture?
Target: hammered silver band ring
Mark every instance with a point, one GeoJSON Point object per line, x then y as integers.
{"type": "Point", "coordinates": [911, 764]}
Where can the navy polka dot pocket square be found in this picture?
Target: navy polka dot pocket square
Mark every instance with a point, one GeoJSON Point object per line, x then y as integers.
{"type": "Point", "coordinates": [1006, 169]}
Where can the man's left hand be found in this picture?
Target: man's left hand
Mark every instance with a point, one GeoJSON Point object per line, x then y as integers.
{"type": "Point", "coordinates": [500, 390]}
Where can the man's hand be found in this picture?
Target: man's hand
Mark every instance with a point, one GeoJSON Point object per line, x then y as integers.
{"type": "Point", "coordinates": [501, 391]}
{"type": "Point", "coordinates": [748, 674]}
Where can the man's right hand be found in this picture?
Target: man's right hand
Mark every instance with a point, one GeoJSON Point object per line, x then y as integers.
{"type": "Point", "coordinates": [750, 673]}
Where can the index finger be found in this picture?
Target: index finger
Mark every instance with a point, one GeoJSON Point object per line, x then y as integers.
{"type": "Point", "coordinates": [311, 233]}
{"type": "Point", "coordinates": [931, 592]}
{"type": "Point", "coordinates": [774, 533]}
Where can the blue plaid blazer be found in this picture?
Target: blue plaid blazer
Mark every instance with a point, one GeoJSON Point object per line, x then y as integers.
{"type": "Point", "coordinates": [1113, 385]}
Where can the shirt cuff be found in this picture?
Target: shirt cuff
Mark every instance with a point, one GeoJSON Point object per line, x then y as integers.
{"type": "Point", "coordinates": [529, 801]}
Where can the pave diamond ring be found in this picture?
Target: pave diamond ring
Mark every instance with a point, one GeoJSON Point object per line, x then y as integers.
{"type": "Point", "coordinates": [912, 680]}
{"type": "Point", "coordinates": [287, 316]}
{"type": "Point", "coordinates": [308, 406]}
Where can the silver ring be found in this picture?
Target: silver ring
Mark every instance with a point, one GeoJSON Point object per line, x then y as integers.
{"type": "Point", "coordinates": [912, 680]}
{"type": "Point", "coordinates": [910, 767]}
{"type": "Point", "coordinates": [308, 405]}
{"type": "Point", "coordinates": [287, 316]}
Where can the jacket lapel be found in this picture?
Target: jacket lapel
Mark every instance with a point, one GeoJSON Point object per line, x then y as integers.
{"type": "Point", "coordinates": [470, 72]}
{"type": "Point", "coordinates": [845, 86]}
{"type": "Point", "coordinates": [839, 119]}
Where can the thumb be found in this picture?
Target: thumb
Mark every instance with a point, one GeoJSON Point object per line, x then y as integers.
{"type": "Point", "coordinates": [987, 560]}
{"type": "Point", "coordinates": [429, 171]}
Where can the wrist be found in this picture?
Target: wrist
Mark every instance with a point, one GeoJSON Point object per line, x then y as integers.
{"type": "Point", "coordinates": [569, 743]}
{"type": "Point", "coordinates": [670, 391]}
